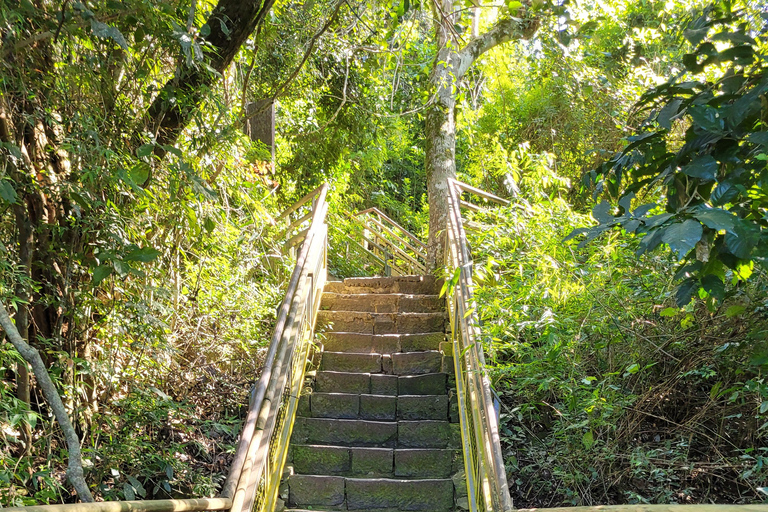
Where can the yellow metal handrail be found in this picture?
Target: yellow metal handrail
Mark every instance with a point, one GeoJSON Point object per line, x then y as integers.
{"type": "Point", "coordinates": [487, 486]}
{"type": "Point", "coordinates": [398, 250]}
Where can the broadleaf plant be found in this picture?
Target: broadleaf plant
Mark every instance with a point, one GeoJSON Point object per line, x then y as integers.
{"type": "Point", "coordinates": [701, 153]}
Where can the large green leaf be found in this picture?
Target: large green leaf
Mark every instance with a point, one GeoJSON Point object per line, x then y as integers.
{"type": "Point", "coordinates": [703, 167]}
{"type": "Point", "coordinates": [717, 219]}
{"type": "Point", "coordinates": [682, 237]}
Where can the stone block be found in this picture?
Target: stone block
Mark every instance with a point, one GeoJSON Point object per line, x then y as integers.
{"type": "Point", "coordinates": [372, 462]}
{"type": "Point", "coordinates": [384, 385]}
{"type": "Point", "coordinates": [433, 495]}
{"type": "Point", "coordinates": [422, 407]}
{"type": "Point", "coordinates": [424, 463]}
{"type": "Point", "coordinates": [385, 323]}
{"type": "Point", "coordinates": [345, 432]}
{"type": "Point", "coordinates": [421, 303]}
{"type": "Point", "coordinates": [378, 407]}
{"type": "Point", "coordinates": [420, 322]}
{"type": "Point", "coordinates": [335, 405]}
{"type": "Point", "coordinates": [303, 407]}
{"type": "Point", "coordinates": [348, 342]}
{"type": "Point", "coordinates": [416, 363]}
{"type": "Point", "coordinates": [429, 384]}
{"type": "Point", "coordinates": [347, 362]}
{"type": "Point", "coordinates": [421, 341]}
{"type": "Point", "coordinates": [342, 382]}
{"type": "Point", "coordinates": [386, 363]}
{"type": "Point", "coordinates": [423, 434]}
{"type": "Point", "coordinates": [316, 490]}
{"type": "Point", "coordinates": [454, 440]}
{"type": "Point", "coordinates": [345, 321]}
{"type": "Point", "coordinates": [385, 343]}
{"type": "Point", "coordinates": [453, 407]}
{"type": "Point", "coordinates": [321, 460]}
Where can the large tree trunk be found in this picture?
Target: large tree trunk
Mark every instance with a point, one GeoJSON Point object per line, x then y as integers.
{"type": "Point", "coordinates": [231, 23]}
{"type": "Point", "coordinates": [450, 66]}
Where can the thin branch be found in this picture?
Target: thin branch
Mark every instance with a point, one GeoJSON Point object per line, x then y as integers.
{"type": "Point", "coordinates": [32, 356]}
{"type": "Point", "coordinates": [281, 89]}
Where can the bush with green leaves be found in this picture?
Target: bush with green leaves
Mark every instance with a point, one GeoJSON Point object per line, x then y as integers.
{"type": "Point", "coordinates": [700, 156]}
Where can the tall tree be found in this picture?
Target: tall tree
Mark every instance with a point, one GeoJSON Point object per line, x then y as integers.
{"type": "Point", "coordinates": [451, 64]}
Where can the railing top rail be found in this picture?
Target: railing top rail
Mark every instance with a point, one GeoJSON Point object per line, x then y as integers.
{"type": "Point", "coordinates": [384, 216]}
{"type": "Point", "coordinates": [476, 191]}
{"type": "Point", "coordinates": [301, 202]}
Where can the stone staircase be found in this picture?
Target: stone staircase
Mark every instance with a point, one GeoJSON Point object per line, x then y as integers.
{"type": "Point", "coordinates": [378, 430]}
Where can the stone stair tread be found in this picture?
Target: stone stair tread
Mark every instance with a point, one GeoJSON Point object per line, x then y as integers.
{"type": "Point", "coordinates": [428, 494]}
{"type": "Point", "coordinates": [371, 406]}
{"type": "Point", "coordinates": [362, 343]}
{"type": "Point", "coordinates": [383, 434]}
{"type": "Point", "coordinates": [380, 323]}
{"type": "Point", "coordinates": [364, 383]}
{"type": "Point", "coordinates": [382, 302]}
{"type": "Point", "coordinates": [398, 284]}
{"type": "Point", "coordinates": [400, 463]}
{"type": "Point", "coordinates": [398, 363]}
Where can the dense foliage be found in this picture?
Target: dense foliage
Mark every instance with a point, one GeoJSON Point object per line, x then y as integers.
{"type": "Point", "coordinates": [146, 269]}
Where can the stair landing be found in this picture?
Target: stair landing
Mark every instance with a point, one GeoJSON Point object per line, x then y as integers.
{"type": "Point", "coordinates": [377, 429]}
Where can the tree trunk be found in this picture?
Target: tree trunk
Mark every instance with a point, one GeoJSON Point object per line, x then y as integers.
{"type": "Point", "coordinates": [32, 356]}
{"type": "Point", "coordinates": [450, 66]}
{"type": "Point", "coordinates": [25, 239]}
{"type": "Point", "coordinates": [440, 165]}
{"type": "Point", "coordinates": [231, 23]}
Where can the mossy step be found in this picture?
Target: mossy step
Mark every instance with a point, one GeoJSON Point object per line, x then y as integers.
{"type": "Point", "coordinates": [375, 462]}
{"type": "Point", "coordinates": [371, 493]}
{"type": "Point", "coordinates": [377, 384]}
{"type": "Point", "coordinates": [417, 285]}
{"type": "Point", "coordinates": [360, 343]}
{"type": "Point", "coordinates": [383, 434]}
{"type": "Point", "coordinates": [399, 363]}
{"type": "Point", "coordinates": [377, 407]}
{"type": "Point", "coordinates": [380, 323]}
{"type": "Point", "coordinates": [382, 302]}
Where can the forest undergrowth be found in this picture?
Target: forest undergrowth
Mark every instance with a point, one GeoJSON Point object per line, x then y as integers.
{"type": "Point", "coordinates": [610, 392]}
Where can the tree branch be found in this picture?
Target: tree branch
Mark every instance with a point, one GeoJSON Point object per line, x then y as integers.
{"type": "Point", "coordinates": [32, 356]}
{"type": "Point", "coordinates": [504, 30]}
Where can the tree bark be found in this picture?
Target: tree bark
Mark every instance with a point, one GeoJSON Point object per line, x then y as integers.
{"type": "Point", "coordinates": [451, 63]}
{"type": "Point", "coordinates": [32, 356]}
{"type": "Point", "coordinates": [231, 23]}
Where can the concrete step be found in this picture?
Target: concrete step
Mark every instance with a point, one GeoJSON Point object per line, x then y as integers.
{"type": "Point", "coordinates": [371, 493]}
{"type": "Point", "coordinates": [380, 323]}
{"type": "Point", "coordinates": [382, 302]}
{"type": "Point", "coordinates": [378, 407]}
{"type": "Point", "coordinates": [416, 285]}
{"type": "Point", "coordinates": [382, 434]}
{"type": "Point", "coordinates": [375, 462]}
{"type": "Point", "coordinates": [381, 343]}
{"type": "Point", "coordinates": [399, 363]}
{"type": "Point", "coordinates": [377, 384]}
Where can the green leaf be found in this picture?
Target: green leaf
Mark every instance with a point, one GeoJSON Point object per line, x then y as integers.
{"type": "Point", "coordinates": [7, 192]}
{"type": "Point", "coordinates": [703, 167]}
{"type": "Point", "coordinates": [714, 286]}
{"type": "Point", "coordinates": [763, 407]}
{"type": "Point", "coordinates": [717, 219]}
{"type": "Point", "coordinates": [144, 254]}
{"type": "Point", "coordinates": [105, 31]}
{"type": "Point", "coordinates": [742, 240]}
{"type": "Point", "coordinates": [685, 292]}
{"type": "Point", "coordinates": [602, 213]}
{"type": "Point", "coordinates": [145, 150]}
{"type": "Point", "coordinates": [669, 312]}
{"type": "Point", "coordinates": [682, 238]}
{"type": "Point", "coordinates": [139, 173]}
{"type": "Point", "coordinates": [668, 113]}
{"type": "Point", "coordinates": [733, 311]}
{"type": "Point", "coordinates": [100, 273]}
{"type": "Point", "coordinates": [130, 495]}
{"type": "Point", "coordinates": [588, 439]}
